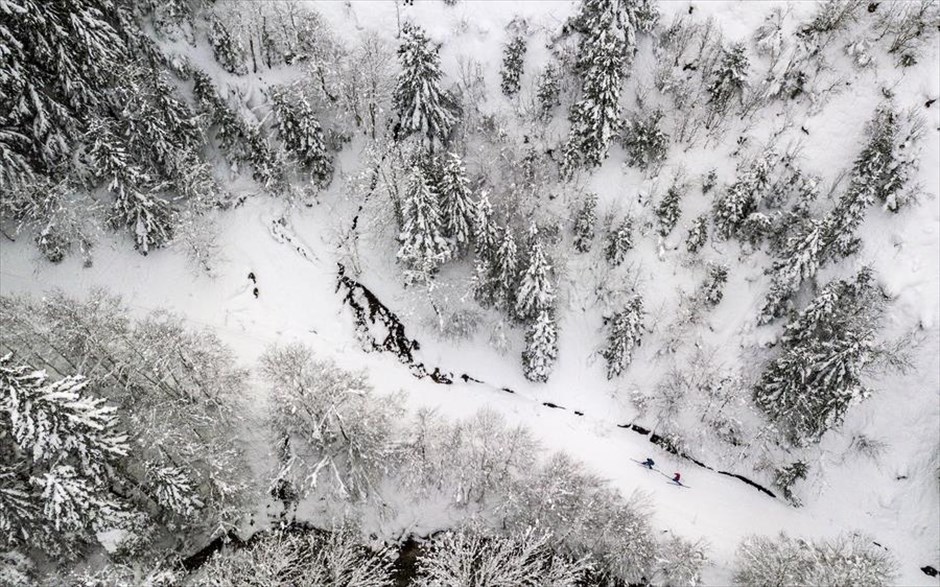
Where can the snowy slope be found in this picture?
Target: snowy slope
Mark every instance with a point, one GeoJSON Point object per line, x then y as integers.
{"type": "Point", "coordinates": [894, 499]}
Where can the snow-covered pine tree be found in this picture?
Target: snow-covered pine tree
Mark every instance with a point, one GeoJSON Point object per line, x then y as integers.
{"type": "Point", "coordinates": [625, 19]}
{"type": "Point", "coordinates": [137, 204]}
{"type": "Point", "coordinates": [57, 60]}
{"type": "Point", "coordinates": [420, 103]}
{"type": "Point", "coordinates": [742, 198]}
{"type": "Point", "coordinates": [486, 241]}
{"type": "Point", "coordinates": [755, 228]}
{"type": "Point", "coordinates": [56, 460]}
{"type": "Point", "coordinates": [548, 91]}
{"type": "Point", "coordinates": [786, 477]}
{"type": "Point", "coordinates": [644, 140]}
{"type": "Point", "coordinates": [541, 349]}
{"type": "Point", "coordinates": [585, 222]}
{"type": "Point", "coordinates": [727, 79]}
{"type": "Point", "coordinates": [827, 349]}
{"type": "Point", "coordinates": [456, 205]}
{"type": "Point", "coordinates": [698, 234]}
{"type": "Point", "coordinates": [887, 164]}
{"type": "Point", "coordinates": [229, 127]}
{"type": "Point", "coordinates": [713, 288]}
{"type": "Point", "coordinates": [506, 271]}
{"type": "Point", "coordinates": [882, 171]}
{"type": "Point", "coordinates": [301, 133]}
{"type": "Point", "coordinates": [607, 44]}
{"type": "Point", "coordinates": [595, 117]}
{"type": "Point", "coordinates": [227, 48]}
{"type": "Point", "coordinates": [625, 329]}
{"type": "Point", "coordinates": [619, 241]}
{"type": "Point", "coordinates": [267, 164]}
{"type": "Point", "coordinates": [800, 259]}
{"type": "Point", "coordinates": [709, 181]}
{"type": "Point", "coordinates": [422, 247]}
{"type": "Point", "coordinates": [536, 291]}
{"type": "Point", "coordinates": [159, 128]}
{"type": "Point", "coordinates": [669, 209]}
{"type": "Point", "coordinates": [513, 61]}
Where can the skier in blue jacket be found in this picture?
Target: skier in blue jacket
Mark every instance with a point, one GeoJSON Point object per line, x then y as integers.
{"type": "Point", "coordinates": [648, 463]}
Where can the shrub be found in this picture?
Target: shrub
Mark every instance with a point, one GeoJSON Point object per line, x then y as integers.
{"type": "Point", "coordinates": [845, 560]}
{"type": "Point", "coordinates": [473, 555]}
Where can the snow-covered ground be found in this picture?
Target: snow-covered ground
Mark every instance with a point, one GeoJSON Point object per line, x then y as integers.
{"type": "Point", "coordinates": [894, 499]}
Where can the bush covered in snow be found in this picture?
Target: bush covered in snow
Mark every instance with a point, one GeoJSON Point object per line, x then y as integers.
{"type": "Point", "coordinates": [299, 556]}
{"type": "Point", "coordinates": [844, 560]}
{"type": "Point", "coordinates": [474, 555]}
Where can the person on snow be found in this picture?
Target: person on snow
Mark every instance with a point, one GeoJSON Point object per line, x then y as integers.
{"type": "Point", "coordinates": [676, 479]}
{"type": "Point", "coordinates": [648, 463]}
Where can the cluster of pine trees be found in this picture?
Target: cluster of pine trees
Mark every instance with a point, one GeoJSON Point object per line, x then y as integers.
{"type": "Point", "coordinates": [103, 125]}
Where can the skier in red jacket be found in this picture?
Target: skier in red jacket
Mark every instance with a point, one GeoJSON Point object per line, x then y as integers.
{"type": "Point", "coordinates": [676, 479]}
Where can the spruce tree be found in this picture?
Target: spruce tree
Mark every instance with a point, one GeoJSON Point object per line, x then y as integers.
{"type": "Point", "coordinates": [301, 134]}
{"type": "Point", "coordinates": [728, 78]}
{"type": "Point", "coordinates": [420, 102]}
{"type": "Point", "coordinates": [709, 181]}
{"type": "Point", "coordinates": [619, 241]}
{"type": "Point", "coordinates": [584, 224]}
{"type": "Point", "coordinates": [669, 210]}
{"type": "Point", "coordinates": [698, 234]}
{"type": "Point", "coordinates": [889, 159]}
{"type": "Point", "coordinates": [513, 61]}
{"type": "Point", "coordinates": [595, 118]}
{"type": "Point", "coordinates": [625, 19]}
{"type": "Point", "coordinates": [625, 329]}
{"type": "Point", "coordinates": [56, 460]}
{"type": "Point", "coordinates": [506, 271]}
{"type": "Point", "coordinates": [536, 291]}
{"type": "Point", "coordinates": [801, 257]}
{"type": "Point", "coordinates": [541, 349]}
{"type": "Point", "coordinates": [229, 127]}
{"type": "Point", "coordinates": [713, 288]}
{"type": "Point", "coordinates": [242, 142]}
{"type": "Point", "coordinates": [608, 41]}
{"type": "Point", "coordinates": [882, 171]}
{"type": "Point", "coordinates": [456, 205]}
{"type": "Point", "coordinates": [422, 246]}
{"type": "Point", "coordinates": [755, 228]}
{"type": "Point", "coordinates": [137, 204]}
{"type": "Point", "coordinates": [57, 63]}
{"type": "Point", "coordinates": [485, 243]}
{"type": "Point", "coordinates": [228, 49]}
{"type": "Point", "coordinates": [826, 352]}
{"type": "Point", "coordinates": [742, 198]}
{"type": "Point", "coordinates": [548, 91]}
{"type": "Point", "coordinates": [645, 142]}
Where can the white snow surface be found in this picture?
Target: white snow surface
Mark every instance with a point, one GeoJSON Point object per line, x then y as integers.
{"type": "Point", "coordinates": [895, 499]}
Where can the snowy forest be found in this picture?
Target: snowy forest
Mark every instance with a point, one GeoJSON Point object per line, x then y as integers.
{"type": "Point", "coordinates": [469, 293]}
